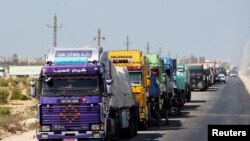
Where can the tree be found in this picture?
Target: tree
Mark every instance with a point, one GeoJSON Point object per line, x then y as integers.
{"type": "Point", "coordinates": [15, 59]}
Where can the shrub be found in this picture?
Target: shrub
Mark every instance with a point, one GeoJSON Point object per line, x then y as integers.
{"type": "Point", "coordinates": [17, 95]}
{"type": "Point", "coordinates": [4, 111]}
{"type": "Point", "coordinates": [13, 82]}
{"type": "Point", "coordinates": [4, 94]}
{"type": "Point", "coordinates": [23, 80]}
{"type": "Point", "coordinates": [3, 82]}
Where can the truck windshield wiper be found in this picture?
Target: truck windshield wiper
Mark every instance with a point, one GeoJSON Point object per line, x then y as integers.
{"type": "Point", "coordinates": [70, 92]}
{"type": "Point", "coordinates": [54, 92]}
{"type": "Point", "coordinates": [82, 91]}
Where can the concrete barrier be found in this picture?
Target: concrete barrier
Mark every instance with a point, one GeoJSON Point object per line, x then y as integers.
{"type": "Point", "coordinates": [246, 81]}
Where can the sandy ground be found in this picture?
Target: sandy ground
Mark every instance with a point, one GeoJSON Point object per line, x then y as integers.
{"type": "Point", "coordinates": [27, 136]}
{"type": "Point", "coordinates": [30, 136]}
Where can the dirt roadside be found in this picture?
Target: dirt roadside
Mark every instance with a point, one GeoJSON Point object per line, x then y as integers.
{"type": "Point", "coordinates": [27, 136]}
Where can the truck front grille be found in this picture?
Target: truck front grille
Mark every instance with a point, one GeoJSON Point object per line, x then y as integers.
{"type": "Point", "coordinates": [73, 117]}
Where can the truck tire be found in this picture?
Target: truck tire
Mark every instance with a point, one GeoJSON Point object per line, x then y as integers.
{"type": "Point", "coordinates": [149, 122]}
{"type": "Point", "coordinates": [135, 127]}
{"type": "Point", "coordinates": [189, 96]}
{"type": "Point", "coordinates": [117, 130]}
{"type": "Point", "coordinates": [132, 129]}
{"type": "Point", "coordinates": [179, 111]}
{"type": "Point", "coordinates": [115, 136]}
{"type": "Point", "coordinates": [144, 125]}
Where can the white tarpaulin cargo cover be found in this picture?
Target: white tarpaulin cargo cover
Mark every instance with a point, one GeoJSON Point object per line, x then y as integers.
{"type": "Point", "coordinates": [121, 88]}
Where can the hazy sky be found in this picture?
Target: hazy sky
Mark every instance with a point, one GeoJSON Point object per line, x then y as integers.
{"type": "Point", "coordinates": [216, 29]}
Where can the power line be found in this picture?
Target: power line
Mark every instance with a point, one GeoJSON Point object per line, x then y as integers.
{"type": "Point", "coordinates": [55, 30]}
{"type": "Point", "coordinates": [70, 36]}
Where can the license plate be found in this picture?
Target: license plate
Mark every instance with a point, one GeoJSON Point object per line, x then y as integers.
{"type": "Point", "coordinates": [70, 139]}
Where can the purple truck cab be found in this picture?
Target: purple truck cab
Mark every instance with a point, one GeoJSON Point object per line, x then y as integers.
{"type": "Point", "coordinates": [70, 103]}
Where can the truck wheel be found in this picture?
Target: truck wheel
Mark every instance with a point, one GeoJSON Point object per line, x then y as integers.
{"type": "Point", "coordinates": [144, 125]}
{"type": "Point", "coordinates": [136, 127]}
{"type": "Point", "coordinates": [189, 96]}
{"type": "Point", "coordinates": [117, 131]}
{"type": "Point", "coordinates": [110, 136]}
{"type": "Point", "coordinates": [179, 111]}
{"type": "Point", "coordinates": [115, 137]}
{"type": "Point", "coordinates": [129, 132]}
{"type": "Point", "coordinates": [149, 122]}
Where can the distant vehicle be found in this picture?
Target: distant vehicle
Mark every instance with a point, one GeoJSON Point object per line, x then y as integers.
{"type": "Point", "coordinates": [222, 78]}
{"type": "Point", "coordinates": [233, 74]}
{"type": "Point", "coordinates": [198, 76]}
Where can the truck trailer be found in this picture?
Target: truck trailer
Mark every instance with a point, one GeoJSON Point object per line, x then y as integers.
{"type": "Point", "coordinates": [158, 86]}
{"type": "Point", "coordinates": [137, 67]}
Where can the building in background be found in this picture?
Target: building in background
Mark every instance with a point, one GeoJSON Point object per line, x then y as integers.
{"type": "Point", "coordinates": [24, 71]}
{"type": "Point", "coordinates": [2, 72]}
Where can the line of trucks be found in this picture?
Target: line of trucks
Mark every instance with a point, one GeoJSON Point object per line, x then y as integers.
{"type": "Point", "coordinates": [92, 94]}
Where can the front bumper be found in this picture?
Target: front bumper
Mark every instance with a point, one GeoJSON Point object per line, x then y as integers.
{"type": "Point", "coordinates": [199, 85]}
{"type": "Point", "coordinates": [71, 134]}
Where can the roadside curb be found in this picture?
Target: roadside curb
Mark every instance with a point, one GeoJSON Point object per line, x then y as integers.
{"type": "Point", "coordinates": [246, 82]}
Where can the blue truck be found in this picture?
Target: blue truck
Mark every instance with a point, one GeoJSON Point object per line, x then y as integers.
{"type": "Point", "coordinates": [183, 82]}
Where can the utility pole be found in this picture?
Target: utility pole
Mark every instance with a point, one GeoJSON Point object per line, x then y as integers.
{"type": "Point", "coordinates": [99, 38]}
{"type": "Point", "coordinates": [55, 30]}
{"type": "Point", "coordinates": [160, 51]}
{"type": "Point", "coordinates": [169, 53]}
{"type": "Point", "coordinates": [176, 57]}
{"type": "Point", "coordinates": [127, 43]}
{"type": "Point", "coordinates": [148, 47]}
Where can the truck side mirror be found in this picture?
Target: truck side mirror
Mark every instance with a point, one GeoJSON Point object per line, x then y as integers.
{"type": "Point", "coordinates": [109, 89]}
{"type": "Point", "coordinates": [109, 81]}
{"type": "Point", "coordinates": [33, 89]}
{"type": "Point", "coordinates": [108, 86]}
{"type": "Point", "coordinates": [148, 81]}
{"type": "Point", "coordinates": [163, 77]}
{"type": "Point", "coordinates": [174, 77]}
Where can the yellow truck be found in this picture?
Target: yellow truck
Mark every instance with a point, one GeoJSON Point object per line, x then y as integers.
{"type": "Point", "coordinates": [137, 66]}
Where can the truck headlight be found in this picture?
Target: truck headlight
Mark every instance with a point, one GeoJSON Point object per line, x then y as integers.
{"type": "Point", "coordinates": [45, 128]}
{"type": "Point", "coordinates": [96, 135]}
{"type": "Point", "coordinates": [95, 127]}
{"type": "Point", "coordinates": [44, 136]}
{"type": "Point", "coordinates": [102, 126]}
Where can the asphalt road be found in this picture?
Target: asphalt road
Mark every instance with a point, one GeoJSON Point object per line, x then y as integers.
{"type": "Point", "coordinates": [221, 104]}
